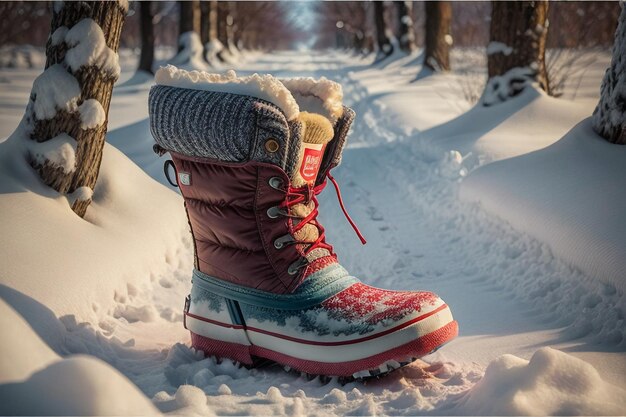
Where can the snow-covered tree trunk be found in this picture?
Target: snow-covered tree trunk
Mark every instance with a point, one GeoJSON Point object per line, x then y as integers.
{"type": "Point", "coordinates": [405, 25]}
{"type": "Point", "coordinates": [146, 60]}
{"type": "Point", "coordinates": [609, 117]}
{"type": "Point", "coordinates": [208, 31]}
{"type": "Point", "coordinates": [516, 51]}
{"type": "Point", "coordinates": [66, 117]}
{"type": "Point", "coordinates": [235, 32]}
{"type": "Point", "coordinates": [208, 21]}
{"type": "Point", "coordinates": [385, 48]}
{"type": "Point", "coordinates": [190, 49]}
{"type": "Point", "coordinates": [224, 29]}
{"type": "Point", "coordinates": [438, 37]}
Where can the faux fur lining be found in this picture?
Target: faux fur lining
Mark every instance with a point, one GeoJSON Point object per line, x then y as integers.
{"type": "Point", "coordinates": [265, 87]}
{"type": "Point", "coordinates": [321, 96]}
{"type": "Point", "coordinates": [317, 128]}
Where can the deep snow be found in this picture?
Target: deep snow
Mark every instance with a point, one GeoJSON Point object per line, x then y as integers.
{"type": "Point", "coordinates": [112, 285]}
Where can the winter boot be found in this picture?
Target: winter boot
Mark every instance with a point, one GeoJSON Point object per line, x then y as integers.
{"type": "Point", "coordinates": [250, 156]}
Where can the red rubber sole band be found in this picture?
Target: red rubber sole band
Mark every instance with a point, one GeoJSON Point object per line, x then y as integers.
{"type": "Point", "coordinates": [244, 354]}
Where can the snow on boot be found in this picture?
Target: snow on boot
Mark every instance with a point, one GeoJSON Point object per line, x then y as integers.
{"type": "Point", "coordinates": [250, 156]}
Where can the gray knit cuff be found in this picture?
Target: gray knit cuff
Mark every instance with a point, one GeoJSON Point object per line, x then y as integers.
{"type": "Point", "coordinates": [334, 151]}
{"type": "Point", "coordinates": [222, 126]}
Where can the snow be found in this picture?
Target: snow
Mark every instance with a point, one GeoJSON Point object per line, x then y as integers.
{"type": "Point", "coordinates": [190, 53]}
{"type": "Point", "coordinates": [501, 87]}
{"type": "Point", "coordinates": [58, 37]}
{"type": "Point", "coordinates": [83, 193]}
{"type": "Point", "coordinates": [87, 47]}
{"type": "Point", "coordinates": [88, 385]}
{"type": "Point", "coordinates": [92, 114]}
{"type": "Point", "coordinates": [22, 56]}
{"type": "Point", "coordinates": [55, 89]}
{"type": "Point", "coordinates": [60, 152]}
{"type": "Point", "coordinates": [118, 294]}
{"type": "Point", "coordinates": [321, 96]}
{"type": "Point", "coordinates": [28, 356]}
{"type": "Point", "coordinates": [265, 87]}
{"type": "Point", "coordinates": [35, 371]}
{"type": "Point", "coordinates": [213, 48]}
{"type": "Point", "coordinates": [568, 195]}
{"type": "Point", "coordinates": [496, 47]}
{"type": "Point", "coordinates": [551, 383]}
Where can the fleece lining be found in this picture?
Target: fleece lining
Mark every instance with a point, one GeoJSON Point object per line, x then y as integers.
{"type": "Point", "coordinates": [292, 96]}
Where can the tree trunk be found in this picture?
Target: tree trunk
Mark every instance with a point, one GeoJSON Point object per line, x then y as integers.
{"type": "Point", "coordinates": [405, 25]}
{"type": "Point", "coordinates": [385, 48]}
{"type": "Point", "coordinates": [518, 40]}
{"type": "Point", "coordinates": [87, 85]}
{"type": "Point", "coordinates": [205, 21]}
{"type": "Point", "coordinates": [189, 17]}
{"type": "Point", "coordinates": [224, 19]}
{"type": "Point", "coordinates": [146, 60]}
{"type": "Point", "coordinates": [224, 24]}
{"type": "Point", "coordinates": [609, 117]}
{"type": "Point", "coordinates": [233, 35]}
{"type": "Point", "coordinates": [438, 36]}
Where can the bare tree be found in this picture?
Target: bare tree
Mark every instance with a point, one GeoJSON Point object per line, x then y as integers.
{"type": "Point", "coordinates": [385, 48]}
{"type": "Point", "coordinates": [517, 46]}
{"type": "Point", "coordinates": [577, 31]}
{"type": "Point", "coordinates": [438, 36]}
{"type": "Point", "coordinates": [190, 48]}
{"type": "Point", "coordinates": [208, 27]}
{"type": "Point", "coordinates": [146, 59]}
{"type": "Point", "coordinates": [405, 25]}
{"type": "Point", "coordinates": [609, 117]}
{"type": "Point", "coordinates": [69, 102]}
{"type": "Point", "coordinates": [344, 24]}
{"type": "Point", "coordinates": [189, 17]}
{"type": "Point", "coordinates": [223, 31]}
{"type": "Point", "coordinates": [24, 22]}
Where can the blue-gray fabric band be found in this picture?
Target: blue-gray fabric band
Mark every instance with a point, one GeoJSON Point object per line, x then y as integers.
{"type": "Point", "coordinates": [317, 288]}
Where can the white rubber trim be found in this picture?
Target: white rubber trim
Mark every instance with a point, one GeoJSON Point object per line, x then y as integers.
{"type": "Point", "coordinates": [213, 331]}
{"type": "Point", "coordinates": [354, 351]}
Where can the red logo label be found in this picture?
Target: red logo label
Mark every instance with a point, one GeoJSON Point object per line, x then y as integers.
{"type": "Point", "coordinates": [311, 161]}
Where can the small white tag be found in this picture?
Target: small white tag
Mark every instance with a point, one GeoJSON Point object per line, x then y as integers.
{"type": "Point", "coordinates": [184, 178]}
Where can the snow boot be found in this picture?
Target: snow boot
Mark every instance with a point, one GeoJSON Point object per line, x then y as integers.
{"type": "Point", "coordinates": [250, 156]}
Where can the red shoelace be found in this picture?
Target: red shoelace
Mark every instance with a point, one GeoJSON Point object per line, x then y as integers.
{"type": "Point", "coordinates": [303, 195]}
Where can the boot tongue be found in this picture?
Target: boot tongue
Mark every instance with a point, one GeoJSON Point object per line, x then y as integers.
{"type": "Point", "coordinates": [318, 131]}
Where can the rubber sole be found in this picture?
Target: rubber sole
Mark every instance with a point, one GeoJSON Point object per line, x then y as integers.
{"type": "Point", "coordinates": [371, 366]}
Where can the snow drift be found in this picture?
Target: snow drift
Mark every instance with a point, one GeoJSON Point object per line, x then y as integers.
{"type": "Point", "coordinates": [569, 195]}
{"type": "Point", "coordinates": [36, 381]}
{"type": "Point", "coordinates": [551, 383]}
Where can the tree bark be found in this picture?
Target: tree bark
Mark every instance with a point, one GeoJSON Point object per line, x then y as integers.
{"type": "Point", "coordinates": [208, 21]}
{"type": "Point", "coordinates": [609, 117]}
{"type": "Point", "coordinates": [189, 17]}
{"type": "Point", "coordinates": [95, 82]}
{"type": "Point", "coordinates": [234, 35]}
{"type": "Point", "coordinates": [518, 40]}
{"type": "Point", "coordinates": [146, 60]}
{"type": "Point", "coordinates": [405, 25]}
{"type": "Point", "coordinates": [224, 20]}
{"type": "Point", "coordinates": [438, 36]}
{"type": "Point", "coordinates": [385, 48]}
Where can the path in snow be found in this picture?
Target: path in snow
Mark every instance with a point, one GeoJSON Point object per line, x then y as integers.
{"type": "Point", "coordinates": [509, 294]}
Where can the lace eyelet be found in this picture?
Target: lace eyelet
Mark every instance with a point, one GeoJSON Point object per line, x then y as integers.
{"type": "Point", "coordinates": [276, 183]}
{"type": "Point", "coordinates": [283, 241]}
{"type": "Point", "coordinates": [295, 266]}
{"type": "Point", "coordinates": [273, 212]}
